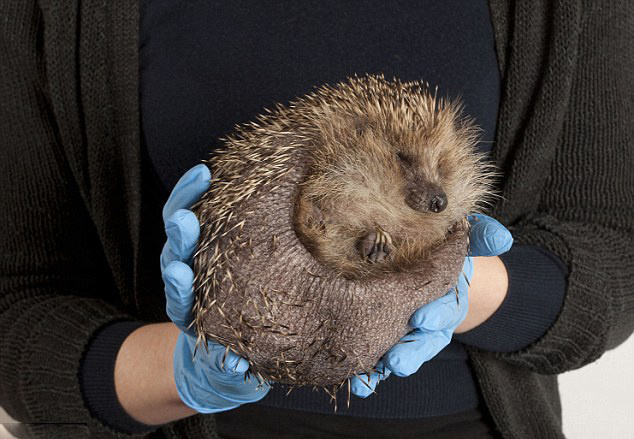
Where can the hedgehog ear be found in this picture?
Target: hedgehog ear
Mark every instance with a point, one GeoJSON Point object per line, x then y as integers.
{"type": "Point", "coordinates": [311, 216]}
{"type": "Point", "coordinates": [316, 216]}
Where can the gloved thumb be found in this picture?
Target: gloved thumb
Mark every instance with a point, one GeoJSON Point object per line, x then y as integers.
{"type": "Point", "coordinates": [488, 237]}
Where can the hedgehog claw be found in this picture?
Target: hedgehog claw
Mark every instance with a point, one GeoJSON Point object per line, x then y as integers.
{"type": "Point", "coordinates": [375, 246]}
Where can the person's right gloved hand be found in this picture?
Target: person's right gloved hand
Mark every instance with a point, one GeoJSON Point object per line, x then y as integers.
{"type": "Point", "coordinates": [202, 382]}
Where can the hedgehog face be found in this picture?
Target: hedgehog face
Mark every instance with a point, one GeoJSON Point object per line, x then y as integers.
{"type": "Point", "coordinates": [380, 205]}
{"type": "Point", "coordinates": [421, 194]}
{"type": "Point", "coordinates": [392, 171]}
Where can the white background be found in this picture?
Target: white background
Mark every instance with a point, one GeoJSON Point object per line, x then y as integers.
{"type": "Point", "coordinates": [598, 400]}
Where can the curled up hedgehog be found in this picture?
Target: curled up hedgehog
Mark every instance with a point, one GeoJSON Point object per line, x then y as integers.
{"type": "Point", "coordinates": [316, 212]}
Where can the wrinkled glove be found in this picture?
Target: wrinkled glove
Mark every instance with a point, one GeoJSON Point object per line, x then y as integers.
{"type": "Point", "coordinates": [435, 322]}
{"type": "Point", "coordinates": [213, 381]}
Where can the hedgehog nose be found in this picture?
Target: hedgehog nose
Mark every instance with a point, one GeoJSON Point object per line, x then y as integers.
{"type": "Point", "coordinates": [429, 199]}
{"type": "Point", "coordinates": [438, 202]}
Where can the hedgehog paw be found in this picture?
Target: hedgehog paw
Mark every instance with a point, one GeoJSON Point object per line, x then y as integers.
{"type": "Point", "coordinates": [375, 246]}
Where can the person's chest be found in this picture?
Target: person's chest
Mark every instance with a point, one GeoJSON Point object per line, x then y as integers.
{"type": "Point", "coordinates": [208, 65]}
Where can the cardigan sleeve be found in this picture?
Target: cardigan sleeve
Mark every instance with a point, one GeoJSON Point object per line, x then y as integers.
{"type": "Point", "coordinates": [56, 289]}
{"type": "Point", "coordinates": [585, 213]}
{"type": "Point", "coordinates": [536, 287]}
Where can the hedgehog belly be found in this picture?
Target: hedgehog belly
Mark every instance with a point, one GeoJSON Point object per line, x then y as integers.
{"type": "Point", "coordinates": [270, 301]}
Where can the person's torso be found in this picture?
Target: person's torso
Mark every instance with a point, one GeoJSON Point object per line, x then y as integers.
{"type": "Point", "coordinates": [206, 66]}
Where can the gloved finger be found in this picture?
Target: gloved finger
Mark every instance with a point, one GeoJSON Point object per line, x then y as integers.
{"type": "Point", "coordinates": [178, 278]}
{"type": "Point", "coordinates": [188, 190]}
{"type": "Point", "coordinates": [225, 371]}
{"type": "Point", "coordinates": [488, 237]}
{"type": "Point", "coordinates": [467, 269]}
{"type": "Point", "coordinates": [414, 349]}
{"type": "Point", "coordinates": [228, 361]}
{"type": "Point", "coordinates": [360, 389]}
{"type": "Point", "coordinates": [167, 256]}
{"type": "Point", "coordinates": [440, 314]}
{"type": "Point", "coordinates": [220, 359]}
{"type": "Point", "coordinates": [199, 394]}
{"type": "Point", "coordinates": [208, 390]}
{"type": "Point", "coordinates": [383, 371]}
{"type": "Point", "coordinates": [237, 388]}
{"type": "Point", "coordinates": [363, 385]}
{"type": "Point", "coordinates": [447, 311]}
{"type": "Point", "coordinates": [183, 230]}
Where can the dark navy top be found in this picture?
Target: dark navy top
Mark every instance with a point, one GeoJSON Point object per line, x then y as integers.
{"type": "Point", "coordinates": [207, 65]}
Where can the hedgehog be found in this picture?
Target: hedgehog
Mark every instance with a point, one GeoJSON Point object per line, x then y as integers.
{"type": "Point", "coordinates": [329, 221]}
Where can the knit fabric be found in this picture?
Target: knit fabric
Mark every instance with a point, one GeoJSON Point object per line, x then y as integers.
{"type": "Point", "coordinates": [96, 377]}
{"type": "Point", "coordinates": [70, 140]}
{"type": "Point", "coordinates": [532, 302]}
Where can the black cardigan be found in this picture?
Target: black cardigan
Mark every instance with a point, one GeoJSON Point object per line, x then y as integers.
{"type": "Point", "coordinates": [69, 124]}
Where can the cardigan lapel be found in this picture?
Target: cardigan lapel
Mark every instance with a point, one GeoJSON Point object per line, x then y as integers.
{"type": "Point", "coordinates": [110, 87]}
{"type": "Point", "coordinates": [92, 62]}
{"type": "Point", "coordinates": [61, 28]}
{"type": "Point", "coordinates": [536, 43]}
{"type": "Point", "coordinates": [537, 50]}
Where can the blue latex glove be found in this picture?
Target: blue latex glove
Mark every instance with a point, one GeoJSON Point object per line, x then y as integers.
{"type": "Point", "coordinates": [435, 322]}
{"type": "Point", "coordinates": [202, 382]}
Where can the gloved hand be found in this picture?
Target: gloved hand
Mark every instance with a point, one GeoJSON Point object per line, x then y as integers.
{"type": "Point", "coordinates": [202, 382]}
{"type": "Point", "coordinates": [435, 322]}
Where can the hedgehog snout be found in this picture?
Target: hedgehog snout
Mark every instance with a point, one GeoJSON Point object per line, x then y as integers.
{"type": "Point", "coordinates": [429, 199]}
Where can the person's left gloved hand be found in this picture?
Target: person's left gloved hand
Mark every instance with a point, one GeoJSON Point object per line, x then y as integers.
{"type": "Point", "coordinates": [215, 380]}
{"type": "Point", "coordinates": [435, 322]}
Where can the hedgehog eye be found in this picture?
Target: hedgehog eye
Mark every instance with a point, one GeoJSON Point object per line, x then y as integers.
{"type": "Point", "coordinates": [404, 158]}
